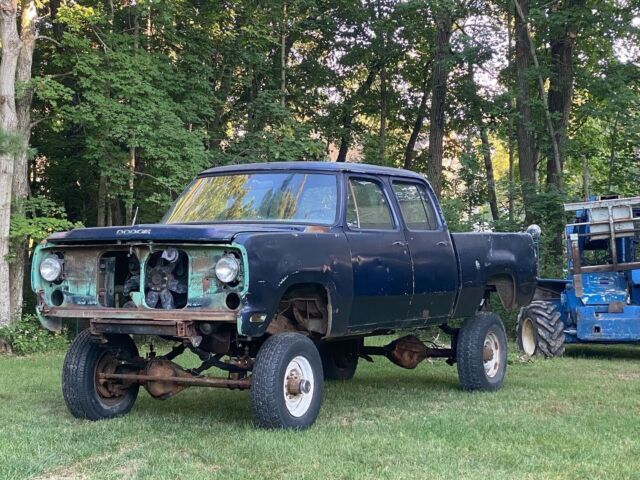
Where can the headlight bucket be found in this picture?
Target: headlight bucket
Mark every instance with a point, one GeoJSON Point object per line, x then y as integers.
{"type": "Point", "coordinates": [51, 268]}
{"type": "Point", "coordinates": [227, 269]}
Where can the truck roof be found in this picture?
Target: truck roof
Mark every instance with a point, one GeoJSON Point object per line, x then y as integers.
{"type": "Point", "coordinates": [315, 166]}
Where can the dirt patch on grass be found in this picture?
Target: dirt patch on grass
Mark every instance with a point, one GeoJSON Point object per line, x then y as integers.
{"type": "Point", "coordinates": [188, 457]}
{"type": "Point", "coordinates": [129, 469]}
{"type": "Point", "coordinates": [552, 406]}
{"type": "Point", "coordinates": [74, 471]}
{"type": "Point", "coordinates": [68, 472]}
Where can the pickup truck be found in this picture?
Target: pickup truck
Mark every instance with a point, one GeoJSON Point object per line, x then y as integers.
{"type": "Point", "coordinates": [275, 273]}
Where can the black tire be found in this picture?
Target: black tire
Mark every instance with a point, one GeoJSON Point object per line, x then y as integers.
{"type": "Point", "coordinates": [268, 379]}
{"type": "Point", "coordinates": [79, 387]}
{"type": "Point", "coordinates": [540, 330]}
{"type": "Point", "coordinates": [339, 359]}
{"type": "Point", "coordinates": [482, 332]}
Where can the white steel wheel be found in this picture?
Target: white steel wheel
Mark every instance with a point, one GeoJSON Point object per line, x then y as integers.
{"type": "Point", "coordinates": [286, 383]}
{"type": "Point", "coordinates": [491, 355]}
{"type": "Point", "coordinates": [298, 386]}
{"type": "Point", "coordinates": [481, 352]}
{"type": "Point", "coordinates": [528, 337]}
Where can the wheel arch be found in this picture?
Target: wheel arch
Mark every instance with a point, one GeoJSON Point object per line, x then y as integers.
{"type": "Point", "coordinates": [504, 285]}
{"type": "Point", "coordinates": [293, 294]}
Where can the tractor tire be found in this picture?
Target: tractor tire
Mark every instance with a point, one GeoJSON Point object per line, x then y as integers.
{"type": "Point", "coordinates": [85, 396]}
{"type": "Point", "coordinates": [481, 353]}
{"type": "Point", "coordinates": [540, 330]}
{"type": "Point", "coordinates": [339, 359]}
{"type": "Point", "coordinates": [286, 383]}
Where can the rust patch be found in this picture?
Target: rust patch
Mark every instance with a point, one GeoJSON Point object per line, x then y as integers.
{"type": "Point", "coordinates": [281, 324]}
{"type": "Point", "coordinates": [407, 352]}
{"type": "Point", "coordinates": [161, 369]}
{"type": "Point", "coordinates": [316, 229]}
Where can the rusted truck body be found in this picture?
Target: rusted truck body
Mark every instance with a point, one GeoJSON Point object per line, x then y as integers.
{"type": "Point", "coordinates": [275, 273]}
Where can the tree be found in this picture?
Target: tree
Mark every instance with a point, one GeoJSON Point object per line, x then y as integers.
{"type": "Point", "coordinates": [15, 123]}
{"type": "Point", "coordinates": [444, 25]}
{"type": "Point", "coordinates": [563, 34]}
{"type": "Point", "coordinates": [527, 148]}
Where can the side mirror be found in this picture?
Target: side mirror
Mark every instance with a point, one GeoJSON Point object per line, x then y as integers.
{"type": "Point", "coordinates": [535, 231]}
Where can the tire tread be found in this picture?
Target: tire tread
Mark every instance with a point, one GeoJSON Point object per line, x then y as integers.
{"type": "Point", "coordinates": [471, 341]}
{"type": "Point", "coordinates": [548, 326]}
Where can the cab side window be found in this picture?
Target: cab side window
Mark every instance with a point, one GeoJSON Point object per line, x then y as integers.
{"type": "Point", "coordinates": [416, 207]}
{"type": "Point", "coordinates": [367, 206]}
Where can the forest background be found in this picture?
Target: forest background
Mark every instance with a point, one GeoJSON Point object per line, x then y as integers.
{"type": "Point", "coordinates": [509, 107]}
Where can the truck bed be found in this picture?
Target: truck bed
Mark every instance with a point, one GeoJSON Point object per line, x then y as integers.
{"type": "Point", "coordinates": [504, 261]}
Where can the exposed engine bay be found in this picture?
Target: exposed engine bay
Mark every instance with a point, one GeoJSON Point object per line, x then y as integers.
{"type": "Point", "coordinates": [166, 279]}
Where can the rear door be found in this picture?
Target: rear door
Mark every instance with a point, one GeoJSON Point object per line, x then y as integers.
{"type": "Point", "coordinates": [435, 269]}
{"type": "Point", "coordinates": [379, 255]}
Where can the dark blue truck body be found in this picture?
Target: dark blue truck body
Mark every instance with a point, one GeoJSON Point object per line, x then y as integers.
{"type": "Point", "coordinates": [375, 280]}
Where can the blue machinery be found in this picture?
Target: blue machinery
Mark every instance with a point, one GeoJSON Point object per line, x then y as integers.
{"type": "Point", "coordinates": [600, 299]}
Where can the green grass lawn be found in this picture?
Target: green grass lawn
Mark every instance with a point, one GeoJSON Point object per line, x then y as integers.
{"type": "Point", "coordinates": [575, 417]}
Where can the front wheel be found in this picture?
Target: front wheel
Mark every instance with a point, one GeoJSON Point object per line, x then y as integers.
{"type": "Point", "coordinates": [482, 352]}
{"type": "Point", "coordinates": [286, 384]}
{"type": "Point", "coordinates": [86, 395]}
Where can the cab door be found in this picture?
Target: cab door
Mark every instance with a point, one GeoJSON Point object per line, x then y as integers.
{"type": "Point", "coordinates": [380, 257]}
{"type": "Point", "coordinates": [435, 267]}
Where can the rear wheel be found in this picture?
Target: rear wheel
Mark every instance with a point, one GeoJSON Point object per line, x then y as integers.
{"type": "Point", "coordinates": [482, 352]}
{"type": "Point", "coordinates": [540, 330]}
{"type": "Point", "coordinates": [286, 383]}
{"type": "Point", "coordinates": [339, 359]}
{"type": "Point", "coordinates": [86, 395]}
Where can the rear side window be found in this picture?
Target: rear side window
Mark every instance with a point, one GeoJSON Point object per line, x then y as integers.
{"type": "Point", "coordinates": [367, 206]}
{"type": "Point", "coordinates": [417, 210]}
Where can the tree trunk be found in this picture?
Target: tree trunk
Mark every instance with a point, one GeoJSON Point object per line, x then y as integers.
{"type": "Point", "coordinates": [511, 173]}
{"type": "Point", "coordinates": [283, 57]}
{"type": "Point", "coordinates": [382, 133]}
{"type": "Point", "coordinates": [522, 16]}
{"type": "Point", "coordinates": [526, 140]}
{"type": "Point", "coordinates": [102, 201]}
{"type": "Point", "coordinates": [409, 152]}
{"type": "Point", "coordinates": [348, 113]}
{"type": "Point", "coordinates": [132, 172]}
{"type": "Point", "coordinates": [511, 110]}
{"type": "Point", "coordinates": [612, 152]}
{"type": "Point", "coordinates": [438, 96]}
{"type": "Point", "coordinates": [488, 165]}
{"type": "Point", "coordinates": [345, 138]}
{"type": "Point", "coordinates": [8, 127]}
{"type": "Point", "coordinates": [561, 84]}
{"type": "Point", "coordinates": [20, 187]}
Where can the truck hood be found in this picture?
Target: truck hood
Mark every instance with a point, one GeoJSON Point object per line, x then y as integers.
{"type": "Point", "coordinates": [221, 232]}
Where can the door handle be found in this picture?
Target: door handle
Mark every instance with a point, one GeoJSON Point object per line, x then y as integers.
{"type": "Point", "coordinates": [442, 244]}
{"type": "Point", "coordinates": [399, 244]}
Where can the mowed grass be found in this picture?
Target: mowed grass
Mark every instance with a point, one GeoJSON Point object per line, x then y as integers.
{"type": "Point", "coordinates": [575, 417]}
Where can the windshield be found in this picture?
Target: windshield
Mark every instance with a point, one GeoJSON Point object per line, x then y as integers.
{"type": "Point", "coordinates": [262, 197]}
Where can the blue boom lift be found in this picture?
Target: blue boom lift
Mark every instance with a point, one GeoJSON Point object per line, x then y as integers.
{"type": "Point", "coordinates": [599, 301]}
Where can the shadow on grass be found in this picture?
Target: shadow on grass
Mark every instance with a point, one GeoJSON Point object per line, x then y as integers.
{"type": "Point", "coordinates": [604, 352]}
{"type": "Point", "coordinates": [230, 408]}
{"type": "Point", "coordinates": [390, 382]}
{"type": "Point", "coordinates": [234, 407]}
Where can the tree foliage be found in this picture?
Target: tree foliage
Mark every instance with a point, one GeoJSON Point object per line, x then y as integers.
{"type": "Point", "coordinates": [132, 99]}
